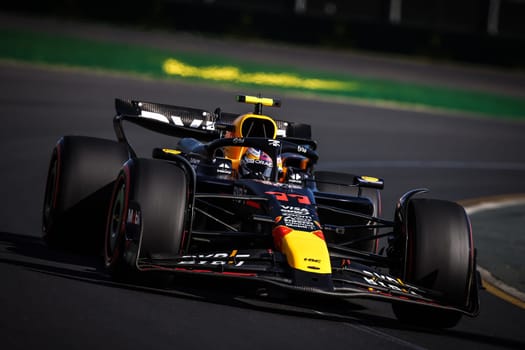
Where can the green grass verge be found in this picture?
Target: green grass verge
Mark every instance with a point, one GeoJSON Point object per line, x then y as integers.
{"type": "Point", "coordinates": [75, 52]}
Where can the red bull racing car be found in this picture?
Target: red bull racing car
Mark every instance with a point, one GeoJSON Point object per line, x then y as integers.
{"type": "Point", "coordinates": [239, 196]}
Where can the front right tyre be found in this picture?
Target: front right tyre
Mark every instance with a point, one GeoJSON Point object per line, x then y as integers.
{"type": "Point", "coordinates": [439, 257]}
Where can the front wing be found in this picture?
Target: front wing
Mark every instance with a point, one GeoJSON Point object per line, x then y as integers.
{"type": "Point", "coordinates": [349, 279]}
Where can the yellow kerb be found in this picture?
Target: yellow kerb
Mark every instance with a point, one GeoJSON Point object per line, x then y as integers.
{"type": "Point", "coordinates": [175, 67]}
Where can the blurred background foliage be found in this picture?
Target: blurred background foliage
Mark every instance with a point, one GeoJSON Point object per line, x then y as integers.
{"type": "Point", "coordinates": [489, 32]}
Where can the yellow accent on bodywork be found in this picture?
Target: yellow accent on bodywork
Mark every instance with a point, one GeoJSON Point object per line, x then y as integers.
{"type": "Point", "coordinates": [171, 151]}
{"type": "Point", "coordinates": [269, 102]}
{"type": "Point", "coordinates": [306, 251]}
{"type": "Point", "coordinates": [370, 179]}
{"type": "Point", "coordinates": [240, 121]}
{"type": "Point", "coordinates": [234, 153]}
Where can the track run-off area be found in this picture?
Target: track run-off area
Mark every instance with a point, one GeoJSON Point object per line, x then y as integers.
{"type": "Point", "coordinates": [50, 43]}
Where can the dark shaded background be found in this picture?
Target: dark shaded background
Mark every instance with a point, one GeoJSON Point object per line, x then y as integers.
{"type": "Point", "coordinates": [489, 32]}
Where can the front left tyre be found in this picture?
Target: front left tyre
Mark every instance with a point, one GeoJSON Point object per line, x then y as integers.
{"type": "Point", "coordinates": [147, 216]}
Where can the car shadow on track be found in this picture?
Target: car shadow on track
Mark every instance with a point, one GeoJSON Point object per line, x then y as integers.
{"type": "Point", "coordinates": [33, 254]}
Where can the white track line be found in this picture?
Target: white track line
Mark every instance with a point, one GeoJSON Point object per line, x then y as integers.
{"type": "Point", "coordinates": [432, 164]}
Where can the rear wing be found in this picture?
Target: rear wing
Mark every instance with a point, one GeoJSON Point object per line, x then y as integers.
{"type": "Point", "coordinates": [203, 125]}
{"type": "Point", "coordinates": [171, 120]}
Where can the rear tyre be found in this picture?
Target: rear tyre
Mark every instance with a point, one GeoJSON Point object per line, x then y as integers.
{"type": "Point", "coordinates": [147, 215]}
{"type": "Point", "coordinates": [78, 189]}
{"type": "Point", "coordinates": [334, 182]}
{"type": "Point", "coordinates": [440, 257]}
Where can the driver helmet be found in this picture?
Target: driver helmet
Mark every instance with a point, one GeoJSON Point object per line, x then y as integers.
{"type": "Point", "coordinates": [255, 164]}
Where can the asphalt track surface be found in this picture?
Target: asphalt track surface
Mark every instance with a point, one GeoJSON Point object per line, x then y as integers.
{"type": "Point", "coordinates": [52, 299]}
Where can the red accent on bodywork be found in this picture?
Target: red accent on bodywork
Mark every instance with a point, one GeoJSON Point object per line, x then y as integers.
{"type": "Point", "coordinates": [57, 175]}
{"type": "Point", "coordinates": [471, 238]}
{"type": "Point", "coordinates": [319, 234]}
{"type": "Point", "coordinates": [300, 198]}
{"type": "Point", "coordinates": [122, 177]}
{"type": "Point", "coordinates": [280, 196]}
{"type": "Point", "coordinates": [278, 234]}
{"type": "Point", "coordinates": [253, 204]}
{"type": "Point", "coordinates": [238, 274]}
{"type": "Point", "coordinates": [283, 197]}
{"type": "Point", "coordinates": [126, 198]}
{"type": "Point", "coordinates": [183, 241]}
{"type": "Point", "coordinates": [409, 253]}
{"type": "Point", "coordinates": [181, 269]}
{"type": "Point", "coordinates": [379, 213]}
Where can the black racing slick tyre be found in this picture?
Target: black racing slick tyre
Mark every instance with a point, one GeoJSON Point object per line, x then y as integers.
{"type": "Point", "coordinates": [341, 183]}
{"type": "Point", "coordinates": [439, 257]}
{"type": "Point", "coordinates": [147, 215]}
{"type": "Point", "coordinates": [78, 189]}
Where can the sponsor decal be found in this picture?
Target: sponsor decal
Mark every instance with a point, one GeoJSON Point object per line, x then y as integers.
{"type": "Point", "coordinates": [196, 123]}
{"type": "Point", "coordinates": [224, 166]}
{"type": "Point", "coordinates": [239, 191]}
{"type": "Point", "coordinates": [291, 210]}
{"type": "Point", "coordinates": [133, 222]}
{"type": "Point", "coordinates": [379, 280]}
{"type": "Point", "coordinates": [177, 120]}
{"type": "Point", "coordinates": [238, 140]}
{"type": "Point", "coordinates": [279, 184]}
{"type": "Point", "coordinates": [233, 258]}
{"type": "Point", "coordinates": [210, 125]}
{"type": "Point", "coordinates": [298, 218]}
{"type": "Point", "coordinates": [296, 178]}
{"type": "Point", "coordinates": [303, 223]}
{"type": "Point", "coordinates": [194, 162]}
{"type": "Point", "coordinates": [133, 217]}
{"type": "Point", "coordinates": [155, 116]}
{"type": "Point", "coordinates": [274, 143]}
{"type": "Point", "coordinates": [258, 161]}
{"type": "Point", "coordinates": [301, 149]}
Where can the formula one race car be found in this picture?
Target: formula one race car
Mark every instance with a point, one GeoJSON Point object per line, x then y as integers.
{"type": "Point", "coordinates": [238, 196]}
